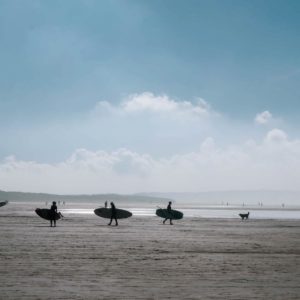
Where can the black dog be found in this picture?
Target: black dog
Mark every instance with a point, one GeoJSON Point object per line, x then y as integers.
{"type": "Point", "coordinates": [244, 216]}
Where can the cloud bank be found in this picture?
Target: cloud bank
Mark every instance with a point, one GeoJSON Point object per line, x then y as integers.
{"type": "Point", "coordinates": [273, 163]}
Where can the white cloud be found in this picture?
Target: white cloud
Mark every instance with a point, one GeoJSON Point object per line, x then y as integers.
{"type": "Point", "coordinates": [148, 102]}
{"type": "Point", "coordinates": [263, 117]}
{"type": "Point", "coordinates": [276, 135]}
{"type": "Point", "coordinates": [273, 163]}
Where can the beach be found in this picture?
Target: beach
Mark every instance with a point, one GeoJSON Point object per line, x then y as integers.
{"type": "Point", "coordinates": [196, 258]}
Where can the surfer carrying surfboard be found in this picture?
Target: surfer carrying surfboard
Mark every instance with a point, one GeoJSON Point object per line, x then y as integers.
{"type": "Point", "coordinates": [169, 209]}
{"type": "Point", "coordinates": [113, 214]}
{"type": "Point", "coordinates": [53, 211]}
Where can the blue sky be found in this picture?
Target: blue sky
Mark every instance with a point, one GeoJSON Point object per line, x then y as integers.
{"type": "Point", "coordinates": [71, 69]}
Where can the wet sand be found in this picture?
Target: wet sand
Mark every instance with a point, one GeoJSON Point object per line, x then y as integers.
{"type": "Point", "coordinates": [83, 258]}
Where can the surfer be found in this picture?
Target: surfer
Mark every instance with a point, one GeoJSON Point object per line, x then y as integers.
{"type": "Point", "coordinates": [113, 214]}
{"type": "Point", "coordinates": [169, 209]}
{"type": "Point", "coordinates": [53, 211]}
{"type": "Point", "coordinates": [105, 204]}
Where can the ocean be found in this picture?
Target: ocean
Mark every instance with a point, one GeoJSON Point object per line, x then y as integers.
{"type": "Point", "coordinates": [216, 212]}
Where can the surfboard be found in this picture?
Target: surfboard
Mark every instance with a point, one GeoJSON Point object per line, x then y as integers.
{"type": "Point", "coordinates": [106, 213]}
{"type": "Point", "coordinates": [3, 203]}
{"type": "Point", "coordinates": [45, 213]}
{"type": "Point", "coordinates": [174, 214]}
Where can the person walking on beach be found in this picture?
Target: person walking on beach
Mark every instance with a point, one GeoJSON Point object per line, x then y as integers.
{"type": "Point", "coordinates": [169, 209]}
{"type": "Point", "coordinates": [53, 211]}
{"type": "Point", "coordinates": [105, 204]}
{"type": "Point", "coordinates": [113, 214]}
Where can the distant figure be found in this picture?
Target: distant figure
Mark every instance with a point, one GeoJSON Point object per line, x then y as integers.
{"type": "Point", "coordinates": [113, 214]}
{"type": "Point", "coordinates": [244, 216]}
{"type": "Point", "coordinates": [53, 211]}
{"type": "Point", "coordinates": [105, 204]}
{"type": "Point", "coordinates": [169, 209]}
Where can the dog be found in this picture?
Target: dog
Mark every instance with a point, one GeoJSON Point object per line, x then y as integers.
{"type": "Point", "coordinates": [244, 216]}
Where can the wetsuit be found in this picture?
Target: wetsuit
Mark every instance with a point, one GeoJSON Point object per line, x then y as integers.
{"type": "Point", "coordinates": [169, 209]}
{"type": "Point", "coordinates": [113, 214]}
{"type": "Point", "coordinates": [53, 211]}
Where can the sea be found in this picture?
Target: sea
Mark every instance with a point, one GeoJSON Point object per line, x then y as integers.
{"type": "Point", "coordinates": [208, 212]}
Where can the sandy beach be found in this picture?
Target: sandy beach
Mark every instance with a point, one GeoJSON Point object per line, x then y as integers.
{"type": "Point", "coordinates": [197, 258]}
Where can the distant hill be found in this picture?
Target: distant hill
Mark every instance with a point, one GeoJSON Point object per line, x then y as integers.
{"type": "Point", "coordinates": [201, 198]}
{"type": "Point", "coordinates": [35, 197]}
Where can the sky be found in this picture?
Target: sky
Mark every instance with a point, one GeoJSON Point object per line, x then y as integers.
{"type": "Point", "coordinates": [149, 96]}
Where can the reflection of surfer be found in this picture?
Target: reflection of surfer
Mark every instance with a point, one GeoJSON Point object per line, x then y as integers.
{"type": "Point", "coordinates": [169, 209]}
{"type": "Point", "coordinates": [113, 214]}
{"type": "Point", "coordinates": [53, 211]}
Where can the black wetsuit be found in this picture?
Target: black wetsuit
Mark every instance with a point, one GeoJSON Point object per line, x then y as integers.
{"type": "Point", "coordinates": [169, 209]}
{"type": "Point", "coordinates": [113, 214]}
{"type": "Point", "coordinates": [53, 211]}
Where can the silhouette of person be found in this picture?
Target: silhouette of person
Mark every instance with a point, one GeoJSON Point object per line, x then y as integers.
{"type": "Point", "coordinates": [169, 209]}
{"type": "Point", "coordinates": [113, 214]}
{"type": "Point", "coordinates": [105, 204]}
{"type": "Point", "coordinates": [53, 211]}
